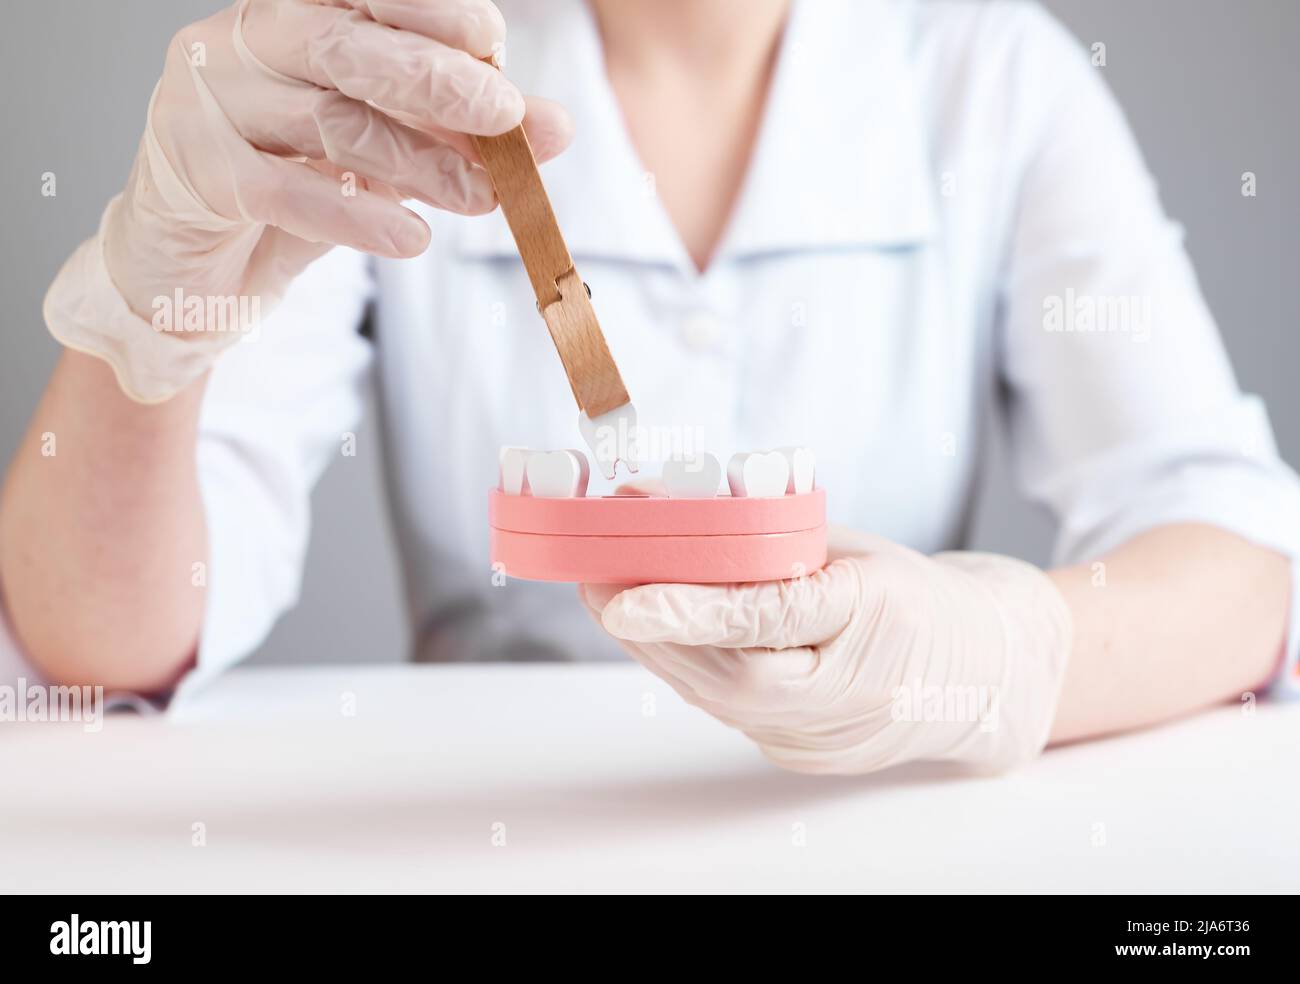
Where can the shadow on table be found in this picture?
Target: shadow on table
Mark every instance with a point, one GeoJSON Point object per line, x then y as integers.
{"type": "Point", "coordinates": [544, 816]}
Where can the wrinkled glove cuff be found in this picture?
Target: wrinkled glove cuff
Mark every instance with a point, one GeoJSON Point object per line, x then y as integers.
{"type": "Point", "coordinates": [1038, 630]}
{"type": "Point", "coordinates": [85, 312]}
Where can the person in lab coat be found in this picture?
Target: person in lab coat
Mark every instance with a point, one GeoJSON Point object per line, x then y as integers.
{"type": "Point", "coordinates": [846, 225]}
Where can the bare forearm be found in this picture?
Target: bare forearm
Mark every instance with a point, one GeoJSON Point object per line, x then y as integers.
{"type": "Point", "coordinates": [1175, 620]}
{"type": "Point", "coordinates": [101, 526]}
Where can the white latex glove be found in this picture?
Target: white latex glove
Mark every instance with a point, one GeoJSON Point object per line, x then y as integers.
{"type": "Point", "coordinates": [241, 180]}
{"type": "Point", "coordinates": [884, 656]}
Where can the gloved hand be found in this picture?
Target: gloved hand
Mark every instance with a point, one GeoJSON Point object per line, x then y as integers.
{"type": "Point", "coordinates": [241, 180]}
{"type": "Point", "coordinates": [884, 656]}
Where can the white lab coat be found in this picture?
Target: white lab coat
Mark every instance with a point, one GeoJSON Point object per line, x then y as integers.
{"type": "Point", "coordinates": [938, 194]}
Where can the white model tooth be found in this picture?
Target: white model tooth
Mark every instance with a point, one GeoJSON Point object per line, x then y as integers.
{"type": "Point", "coordinates": [612, 437]}
{"type": "Point", "coordinates": [803, 470]}
{"type": "Point", "coordinates": [558, 474]}
{"type": "Point", "coordinates": [514, 476]}
{"type": "Point", "coordinates": [758, 474]}
{"type": "Point", "coordinates": [695, 476]}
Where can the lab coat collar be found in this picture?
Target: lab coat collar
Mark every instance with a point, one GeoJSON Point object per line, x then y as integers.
{"type": "Point", "coordinates": [840, 159]}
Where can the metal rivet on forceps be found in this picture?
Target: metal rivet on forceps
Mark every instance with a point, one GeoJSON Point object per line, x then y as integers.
{"type": "Point", "coordinates": [584, 284]}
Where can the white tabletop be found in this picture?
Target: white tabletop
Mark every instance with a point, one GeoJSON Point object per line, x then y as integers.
{"type": "Point", "coordinates": [598, 778]}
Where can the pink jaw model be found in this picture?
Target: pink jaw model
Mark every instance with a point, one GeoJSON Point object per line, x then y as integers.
{"type": "Point", "coordinates": [771, 526]}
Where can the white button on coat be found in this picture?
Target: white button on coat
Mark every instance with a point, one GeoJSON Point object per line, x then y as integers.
{"type": "Point", "coordinates": [872, 320]}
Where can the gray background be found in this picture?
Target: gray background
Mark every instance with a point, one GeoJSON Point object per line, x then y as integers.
{"type": "Point", "coordinates": [1209, 86]}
